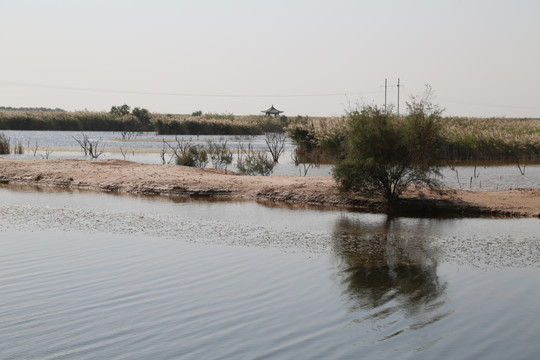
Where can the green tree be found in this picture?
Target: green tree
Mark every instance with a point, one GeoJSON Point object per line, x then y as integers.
{"type": "Point", "coordinates": [386, 153]}
{"type": "Point", "coordinates": [120, 110]}
{"type": "Point", "coordinates": [143, 116]}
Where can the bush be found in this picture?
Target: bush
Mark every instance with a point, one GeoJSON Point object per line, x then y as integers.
{"type": "Point", "coordinates": [4, 144]}
{"type": "Point", "coordinates": [386, 153]}
{"type": "Point", "coordinates": [254, 163]}
{"type": "Point", "coordinates": [194, 156]}
{"type": "Point", "coordinates": [220, 155]}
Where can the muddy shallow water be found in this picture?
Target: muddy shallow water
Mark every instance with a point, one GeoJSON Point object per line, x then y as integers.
{"type": "Point", "coordinates": [91, 275]}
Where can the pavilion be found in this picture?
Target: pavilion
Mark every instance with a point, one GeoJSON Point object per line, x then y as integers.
{"type": "Point", "coordinates": [272, 111]}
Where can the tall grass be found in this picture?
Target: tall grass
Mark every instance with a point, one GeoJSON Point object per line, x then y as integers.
{"type": "Point", "coordinates": [491, 139]}
{"type": "Point", "coordinates": [465, 139]}
{"type": "Point", "coordinates": [208, 124]}
{"type": "Point", "coordinates": [318, 137]}
{"type": "Point", "coordinates": [63, 120]}
{"type": "Point", "coordinates": [215, 124]}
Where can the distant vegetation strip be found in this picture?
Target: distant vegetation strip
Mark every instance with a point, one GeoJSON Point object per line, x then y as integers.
{"type": "Point", "coordinates": [491, 139]}
{"type": "Point", "coordinates": [215, 124]}
{"type": "Point", "coordinates": [65, 121]}
{"type": "Point", "coordinates": [464, 138]}
{"type": "Point", "coordinates": [139, 120]}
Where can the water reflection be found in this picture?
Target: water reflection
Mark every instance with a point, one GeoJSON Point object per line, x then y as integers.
{"type": "Point", "coordinates": [388, 274]}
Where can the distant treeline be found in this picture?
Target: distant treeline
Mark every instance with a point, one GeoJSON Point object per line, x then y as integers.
{"type": "Point", "coordinates": [9, 108]}
{"type": "Point", "coordinates": [122, 118]}
{"type": "Point", "coordinates": [63, 120]}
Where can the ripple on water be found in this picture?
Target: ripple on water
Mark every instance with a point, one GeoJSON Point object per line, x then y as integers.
{"type": "Point", "coordinates": [83, 282]}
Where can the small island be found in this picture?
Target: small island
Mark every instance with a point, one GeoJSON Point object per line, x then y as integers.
{"type": "Point", "coordinates": [134, 178]}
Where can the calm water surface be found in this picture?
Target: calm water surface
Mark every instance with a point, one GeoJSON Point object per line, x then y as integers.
{"type": "Point", "coordinates": [87, 275]}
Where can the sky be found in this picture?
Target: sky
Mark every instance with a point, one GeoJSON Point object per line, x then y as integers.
{"type": "Point", "coordinates": [305, 57]}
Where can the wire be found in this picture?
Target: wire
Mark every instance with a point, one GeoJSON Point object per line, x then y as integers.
{"type": "Point", "coordinates": [454, 101]}
{"type": "Point", "coordinates": [20, 84]}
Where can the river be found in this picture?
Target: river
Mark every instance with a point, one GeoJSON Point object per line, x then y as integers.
{"type": "Point", "coordinates": [89, 275]}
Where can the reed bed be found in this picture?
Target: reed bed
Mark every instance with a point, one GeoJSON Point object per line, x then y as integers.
{"type": "Point", "coordinates": [176, 124]}
{"type": "Point", "coordinates": [491, 138]}
{"type": "Point", "coordinates": [64, 120]}
{"type": "Point", "coordinates": [215, 124]}
{"type": "Point", "coordinates": [465, 139]}
{"type": "Point", "coordinates": [318, 137]}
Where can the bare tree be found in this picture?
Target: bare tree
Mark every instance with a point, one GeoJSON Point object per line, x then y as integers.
{"type": "Point", "coordinates": [90, 147]}
{"type": "Point", "coordinates": [179, 149]}
{"type": "Point", "coordinates": [275, 141]}
{"type": "Point", "coordinates": [313, 161]}
{"type": "Point", "coordinates": [48, 153]}
{"type": "Point", "coordinates": [18, 148]}
{"type": "Point", "coordinates": [522, 171]}
{"type": "Point", "coordinates": [125, 153]}
{"type": "Point", "coordinates": [34, 148]}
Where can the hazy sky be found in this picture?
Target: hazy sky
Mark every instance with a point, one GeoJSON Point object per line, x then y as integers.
{"type": "Point", "coordinates": [482, 57]}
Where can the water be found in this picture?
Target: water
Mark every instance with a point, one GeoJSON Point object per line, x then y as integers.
{"type": "Point", "coordinates": [147, 147]}
{"type": "Point", "coordinates": [88, 275]}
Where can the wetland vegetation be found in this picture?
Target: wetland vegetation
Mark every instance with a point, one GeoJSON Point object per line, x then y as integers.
{"type": "Point", "coordinates": [368, 141]}
{"type": "Point", "coordinates": [464, 138]}
{"type": "Point", "coordinates": [123, 118]}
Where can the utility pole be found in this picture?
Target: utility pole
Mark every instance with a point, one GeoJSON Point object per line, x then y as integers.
{"type": "Point", "coordinates": [385, 87]}
{"type": "Point", "coordinates": [386, 93]}
{"type": "Point", "coordinates": [398, 97]}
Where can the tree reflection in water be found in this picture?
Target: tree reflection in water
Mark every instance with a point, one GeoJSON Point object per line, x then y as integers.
{"type": "Point", "coordinates": [389, 274]}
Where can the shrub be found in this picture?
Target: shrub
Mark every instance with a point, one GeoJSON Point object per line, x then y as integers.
{"type": "Point", "coordinates": [220, 156]}
{"type": "Point", "coordinates": [251, 162]}
{"type": "Point", "coordinates": [4, 144]}
{"type": "Point", "coordinates": [386, 153]}
{"type": "Point", "coordinates": [194, 156]}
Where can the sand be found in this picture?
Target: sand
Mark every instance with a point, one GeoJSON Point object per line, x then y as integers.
{"type": "Point", "coordinates": [171, 180]}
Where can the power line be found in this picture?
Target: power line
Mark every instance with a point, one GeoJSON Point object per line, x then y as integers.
{"type": "Point", "coordinates": [454, 101]}
{"type": "Point", "coordinates": [116, 91]}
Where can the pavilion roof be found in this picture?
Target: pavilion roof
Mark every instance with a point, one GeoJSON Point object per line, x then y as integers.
{"type": "Point", "coordinates": [272, 110]}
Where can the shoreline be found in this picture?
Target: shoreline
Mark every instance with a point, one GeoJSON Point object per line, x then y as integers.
{"type": "Point", "coordinates": [171, 180]}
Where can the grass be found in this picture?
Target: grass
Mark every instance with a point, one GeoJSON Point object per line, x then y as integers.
{"type": "Point", "coordinates": [215, 124]}
{"type": "Point", "coordinates": [63, 120]}
{"type": "Point", "coordinates": [465, 138]}
{"type": "Point", "coordinates": [491, 139]}
{"type": "Point", "coordinates": [175, 124]}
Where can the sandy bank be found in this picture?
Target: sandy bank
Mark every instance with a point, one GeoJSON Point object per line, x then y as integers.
{"type": "Point", "coordinates": [171, 180]}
